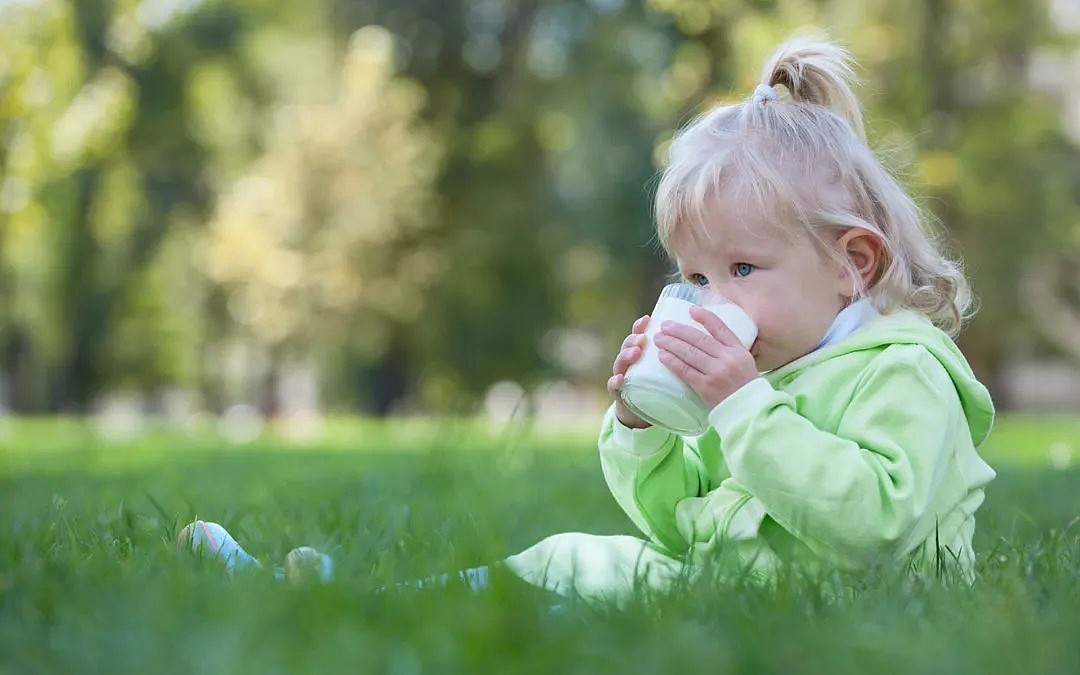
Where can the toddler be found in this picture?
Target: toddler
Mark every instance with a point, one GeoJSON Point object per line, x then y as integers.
{"type": "Point", "coordinates": [847, 433]}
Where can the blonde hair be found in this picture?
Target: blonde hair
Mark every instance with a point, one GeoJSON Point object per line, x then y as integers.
{"type": "Point", "coordinates": [806, 160]}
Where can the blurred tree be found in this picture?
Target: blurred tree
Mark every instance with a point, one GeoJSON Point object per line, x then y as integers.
{"type": "Point", "coordinates": [322, 241]}
{"type": "Point", "coordinates": [550, 121]}
{"type": "Point", "coordinates": [96, 165]}
{"type": "Point", "coordinates": [429, 196]}
{"type": "Point", "coordinates": [1052, 289]}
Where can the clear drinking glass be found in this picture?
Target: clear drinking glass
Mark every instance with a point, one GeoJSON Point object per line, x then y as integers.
{"type": "Point", "coordinates": [652, 391]}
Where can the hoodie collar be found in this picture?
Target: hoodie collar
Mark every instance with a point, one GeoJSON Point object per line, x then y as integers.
{"type": "Point", "coordinates": [849, 320]}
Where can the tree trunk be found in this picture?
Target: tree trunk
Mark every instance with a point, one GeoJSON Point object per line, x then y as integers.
{"type": "Point", "coordinates": [385, 381]}
{"type": "Point", "coordinates": [82, 308]}
{"type": "Point", "coordinates": [1055, 317]}
{"type": "Point", "coordinates": [269, 401]}
{"type": "Point", "coordinates": [17, 368]}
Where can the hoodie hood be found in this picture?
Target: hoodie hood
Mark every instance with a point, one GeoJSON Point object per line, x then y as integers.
{"type": "Point", "coordinates": [909, 327]}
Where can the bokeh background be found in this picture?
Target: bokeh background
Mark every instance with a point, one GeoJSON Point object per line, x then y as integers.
{"type": "Point", "coordinates": [351, 274]}
{"type": "Point", "coordinates": [287, 209]}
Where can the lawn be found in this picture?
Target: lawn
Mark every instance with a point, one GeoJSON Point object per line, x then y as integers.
{"type": "Point", "coordinates": [90, 579]}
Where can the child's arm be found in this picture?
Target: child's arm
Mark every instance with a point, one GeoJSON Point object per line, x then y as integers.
{"type": "Point", "coordinates": [866, 490]}
{"type": "Point", "coordinates": [649, 471]}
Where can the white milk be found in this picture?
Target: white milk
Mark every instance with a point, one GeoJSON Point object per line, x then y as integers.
{"type": "Point", "coordinates": [659, 396]}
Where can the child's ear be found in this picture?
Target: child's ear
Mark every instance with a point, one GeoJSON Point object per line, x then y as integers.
{"type": "Point", "coordinates": [865, 250]}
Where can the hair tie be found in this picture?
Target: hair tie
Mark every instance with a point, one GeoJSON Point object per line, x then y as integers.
{"type": "Point", "coordinates": [764, 92]}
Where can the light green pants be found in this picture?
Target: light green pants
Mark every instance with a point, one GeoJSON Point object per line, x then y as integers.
{"type": "Point", "coordinates": [594, 567]}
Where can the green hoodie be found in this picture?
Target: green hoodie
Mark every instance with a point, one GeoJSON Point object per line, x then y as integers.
{"type": "Point", "coordinates": [860, 451]}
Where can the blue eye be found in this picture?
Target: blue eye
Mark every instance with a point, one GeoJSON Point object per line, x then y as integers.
{"type": "Point", "coordinates": [742, 269]}
{"type": "Point", "coordinates": [694, 277]}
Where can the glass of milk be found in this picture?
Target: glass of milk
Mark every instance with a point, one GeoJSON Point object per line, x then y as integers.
{"type": "Point", "coordinates": [656, 394]}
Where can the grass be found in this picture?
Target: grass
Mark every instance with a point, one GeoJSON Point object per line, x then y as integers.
{"type": "Point", "coordinates": [90, 580]}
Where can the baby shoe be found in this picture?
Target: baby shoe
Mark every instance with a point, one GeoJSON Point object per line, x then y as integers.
{"type": "Point", "coordinates": [304, 565]}
{"type": "Point", "coordinates": [214, 540]}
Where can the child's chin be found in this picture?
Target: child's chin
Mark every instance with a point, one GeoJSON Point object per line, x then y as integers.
{"type": "Point", "coordinates": [767, 362]}
{"type": "Point", "coordinates": [763, 363]}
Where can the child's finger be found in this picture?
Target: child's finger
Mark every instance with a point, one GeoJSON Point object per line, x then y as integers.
{"type": "Point", "coordinates": [613, 384]}
{"type": "Point", "coordinates": [632, 340]}
{"type": "Point", "coordinates": [624, 359]}
{"type": "Point", "coordinates": [640, 324]}
{"type": "Point", "coordinates": [716, 327]}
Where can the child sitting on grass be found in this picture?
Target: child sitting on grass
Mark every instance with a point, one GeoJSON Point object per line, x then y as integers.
{"type": "Point", "coordinates": [847, 433]}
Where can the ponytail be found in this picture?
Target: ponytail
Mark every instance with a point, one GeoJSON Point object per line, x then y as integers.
{"type": "Point", "coordinates": [814, 71]}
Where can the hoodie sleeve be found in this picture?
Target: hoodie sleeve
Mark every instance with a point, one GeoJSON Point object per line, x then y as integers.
{"type": "Point", "coordinates": [650, 471]}
{"type": "Point", "coordinates": [863, 491]}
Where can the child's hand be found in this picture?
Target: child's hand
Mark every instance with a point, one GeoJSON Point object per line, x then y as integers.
{"type": "Point", "coordinates": [630, 352]}
{"type": "Point", "coordinates": [714, 365]}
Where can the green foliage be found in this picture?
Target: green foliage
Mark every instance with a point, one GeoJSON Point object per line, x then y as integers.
{"type": "Point", "coordinates": [91, 580]}
{"type": "Point", "coordinates": [226, 176]}
{"type": "Point", "coordinates": [96, 166]}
